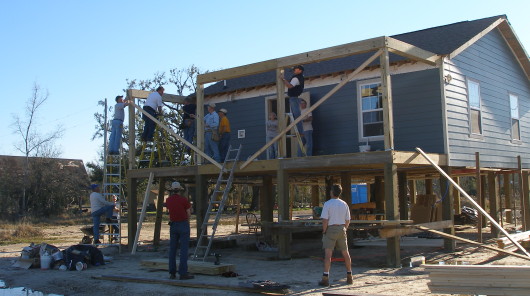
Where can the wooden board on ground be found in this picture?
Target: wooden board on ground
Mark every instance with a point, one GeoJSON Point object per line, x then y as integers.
{"type": "Point", "coordinates": [479, 279]}
{"type": "Point", "coordinates": [197, 267]}
{"type": "Point", "coordinates": [401, 231]}
{"type": "Point", "coordinates": [505, 242]}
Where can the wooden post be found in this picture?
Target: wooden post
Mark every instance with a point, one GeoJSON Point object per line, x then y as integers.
{"type": "Point", "coordinates": [159, 211]}
{"type": "Point", "coordinates": [199, 121]}
{"type": "Point", "coordinates": [386, 86]}
{"type": "Point", "coordinates": [284, 238]}
{"type": "Point", "coordinates": [480, 192]}
{"type": "Point", "coordinates": [483, 201]}
{"type": "Point", "coordinates": [456, 197]}
{"type": "Point", "coordinates": [412, 190]}
{"type": "Point", "coordinates": [447, 209]}
{"type": "Point", "coordinates": [280, 108]}
{"type": "Point", "coordinates": [508, 197]}
{"type": "Point", "coordinates": [315, 196]}
{"type": "Point", "coordinates": [402, 193]}
{"type": "Point", "coordinates": [493, 194]}
{"type": "Point", "coordinates": [201, 200]}
{"type": "Point", "coordinates": [132, 213]}
{"type": "Point", "coordinates": [132, 134]}
{"type": "Point", "coordinates": [345, 182]}
{"type": "Point", "coordinates": [291, 200]}
{"type": "Point", "coordinates": [523, 188]}
{"type": "Point", "coordinates": [238, 208]}
{"type": "Point", "coordinates": [379, 192]}
{"type": "Point", "coordinates": [526, 202]}
{"type": "Point", "coordinates": [428, 186]}
{"type": "Point", "coordinates": [266, 206]}
{"type": "Point", "coordinates": [392, 213]}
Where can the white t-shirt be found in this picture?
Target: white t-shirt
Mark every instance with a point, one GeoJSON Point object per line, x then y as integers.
{"type": "Point", "coordinates": [97, 201]}
{"type": "Point", "coordinates": [336, 211]}
{"type": "Point", "coordinates": [295, 81]}
{"type": "Point", "coordinates": [154, 100]}
{"type": "Point", "coordinates": [306, 124]}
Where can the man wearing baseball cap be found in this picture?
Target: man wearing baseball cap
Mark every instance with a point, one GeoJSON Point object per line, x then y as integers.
{"type": "Point", "coordinates": [99, 206]}
{"type": "Point", "coordinates": [224, 133]}
{"type": "Point", "coordinates": [295, 87]}
{"type": "Point", "coordinates": [179, 231]}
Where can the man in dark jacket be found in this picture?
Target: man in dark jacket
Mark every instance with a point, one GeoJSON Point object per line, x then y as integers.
{"type": "Point", "coordinates": [295, 87]}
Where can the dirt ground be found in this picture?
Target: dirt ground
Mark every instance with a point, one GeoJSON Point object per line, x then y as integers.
{"type": "Point", "coordinates": [301, 273]}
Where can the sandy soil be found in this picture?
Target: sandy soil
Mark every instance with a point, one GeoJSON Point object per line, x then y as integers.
{"type": "Point", "coordinates": [301, 273]}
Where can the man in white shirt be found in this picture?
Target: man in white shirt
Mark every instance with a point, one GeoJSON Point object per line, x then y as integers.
{"type": "Point", "coordinates": [99, 206]}
{"type": "Point", "coordinates": [151, 106]}
{"type": "Point", "coordinates": [335, 221]}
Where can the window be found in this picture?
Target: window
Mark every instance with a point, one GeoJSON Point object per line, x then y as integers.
{"type": "Point", "coordinates": [514, 114]}
{"type": "Point", "coordinates": [475, 114]}
{"type": "Point", "coordinates": [371, 111]}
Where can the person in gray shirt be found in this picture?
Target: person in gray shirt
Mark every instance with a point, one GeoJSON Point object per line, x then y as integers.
{"type": "Point", "coordinates": [117, 125]}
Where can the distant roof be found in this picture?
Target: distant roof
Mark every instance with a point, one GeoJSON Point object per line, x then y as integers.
{"type": "Point", "coordinates": [441, 40]}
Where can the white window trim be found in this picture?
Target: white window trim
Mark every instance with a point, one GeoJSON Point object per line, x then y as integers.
{"type": "Point", "coordinates": [514, 140]}
{"type": "Point", "coordinates": [362, 138]}
{"type": "Point", "coordinates": [474, 108]}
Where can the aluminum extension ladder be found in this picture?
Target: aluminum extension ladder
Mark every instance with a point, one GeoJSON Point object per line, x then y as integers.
{"type": "Point", "coordinates": [226, 175]}
{"type": "Point", "coordinates": [113, 190]}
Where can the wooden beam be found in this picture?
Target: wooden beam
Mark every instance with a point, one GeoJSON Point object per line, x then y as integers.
{"type": "Point", "coordinates": [410, 51]}
{"type": "Point", "coordinates": [447, 209]}
{"type": "Point", "coordinates": [132, 133]}
{"type": "Point", "coordinates": [313, 107]}
{"type": "Point", "coordinates": [159, 211]}
{"type": "Point", "coordinates": [132, 212]}
{"type": "Point", "coordinates": [284, 239]}
{"type": "Point", "coordinates": [410, 229]}
{"type": "Point", "coordinates": [402, 193]}
{"type": "Point", "coordinates": [171, 132]}
{"type": "Point", "coordinates": [386, 86]}
{"type": "Point", "coordinates": [414, 158]}
{"type": "Point", "coordinates": [297, 59]}
{"type": "Point", "coordinates": [476, 206]}
{"type": "Point", "coordinates": [379, 192]}
{"type": "Point", "coordinates": [507, 197]}
{"type": "Point", "coordinates": [199, 120]}
{"type": "Point", "coordinates": [201, 200]}
{"type": "Point", "coordinates": [280, 111]}
{"type": "Point", "coordinates": [475, 38]}
{"type": "Point", "coordinates": [457, 208]}
{"type": "Point", "coordinates": [345, 182]}
{"type": "Point", "coordinates": [412, 190]}
{"type": "Point", "coordinates": [392, 213]}
{"type": "Point", "coordinates": [526, 201]}
{"type": "Point", "coordinates": [493, 195]}
{"type": "Point", "coordinates": [315, 196]}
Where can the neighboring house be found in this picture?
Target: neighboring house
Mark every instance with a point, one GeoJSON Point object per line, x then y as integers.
{"type": "Point", "coordinates": [475, 99]}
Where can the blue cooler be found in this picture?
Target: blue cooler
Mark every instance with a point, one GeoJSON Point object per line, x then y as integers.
{"type": "Point", "coordinates": [359, 193]}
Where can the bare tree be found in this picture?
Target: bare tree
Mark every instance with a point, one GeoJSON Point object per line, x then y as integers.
{"type": "Point", "coordinates": [32, 141]}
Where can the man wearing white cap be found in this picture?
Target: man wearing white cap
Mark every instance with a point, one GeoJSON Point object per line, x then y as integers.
{"type": "Point", "coordinates": [224, 133]}
{"type": "Point", "coordinates": [211, 125]}
{"type": "Point", "coordinates": [179, 231]}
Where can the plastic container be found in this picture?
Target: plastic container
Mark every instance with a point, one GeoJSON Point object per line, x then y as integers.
{"type": "Point", "coordinates": [45, 261]}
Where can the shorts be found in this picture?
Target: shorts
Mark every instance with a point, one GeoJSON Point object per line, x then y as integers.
{"type": "Point", "coordinates": [335, 236]}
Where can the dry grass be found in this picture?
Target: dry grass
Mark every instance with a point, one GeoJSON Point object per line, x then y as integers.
{"type": "Point", "coordinates": [19, 233]}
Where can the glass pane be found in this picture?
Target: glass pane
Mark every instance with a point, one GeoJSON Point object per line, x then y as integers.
{"type": "Point", "coordinates": [372, 117]}
{"type": "Point", "coordinates": [371, 130]}
{"type": "Point", "coordinates": [514, 106]}
{"type": "Point", "coordinates": [475, 122]}
{"type": "Point", "coordinates": [515, 129]}
{"type": "Point", "coordinates": [473, 94]}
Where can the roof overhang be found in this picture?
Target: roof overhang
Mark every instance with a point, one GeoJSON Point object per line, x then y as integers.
{"type": "Point", "coordinates": [350, 49]}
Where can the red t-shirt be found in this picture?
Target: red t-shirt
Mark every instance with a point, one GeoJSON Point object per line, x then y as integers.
{"type": "Point", "coordinates": [177, 206]}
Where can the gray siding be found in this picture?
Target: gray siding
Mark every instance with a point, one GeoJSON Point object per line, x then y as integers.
{"type": "Point", "coordinates": [490, 62]}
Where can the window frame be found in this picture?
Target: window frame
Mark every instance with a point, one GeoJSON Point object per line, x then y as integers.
{"type": "Point", "coordinates": [474, 108]}
{"type": "Point", "coordinates": [360, 112]}
{"type": "Point", "coordinates": [518, 138]}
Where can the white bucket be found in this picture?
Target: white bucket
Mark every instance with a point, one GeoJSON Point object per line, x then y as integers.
{"type": "Point", "coordinates": [45, 261]}
{"type": "Point", "coordinates": [364, 148]}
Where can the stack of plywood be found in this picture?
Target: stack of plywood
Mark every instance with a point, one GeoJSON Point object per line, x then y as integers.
{"type": "Point", "coordinates": [523, 238]}
{"type": "Point", "coordinates": [479, 279]}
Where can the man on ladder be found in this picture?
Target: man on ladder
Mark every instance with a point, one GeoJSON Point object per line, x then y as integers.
{"type": "Point", "coordinates": [152, 105]}
{"type": "Point", "coordinates": [117, 125]}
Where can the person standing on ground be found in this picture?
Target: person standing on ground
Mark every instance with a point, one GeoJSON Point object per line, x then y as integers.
{"type": "Point", "coordinates": [335, 221]}
{"type": "Point", "coordinates": [224, 133]}
{"type": "Point", "coordinates": [307, 130]}
{"type": "Point", "coordinates": [190, 110]}
{"type": "Point", "coordinates": [99, 206]}
{"type": "Point", "coordinates": [211, 126]}
{"type": "Point", "coordinates": [179, 232]}
{"type": "Point", "coordinates": [117, 125]}
{"type": "Point", "coordinates": [153, 106]}
{"type": "Point", "coordinates": [271, 133]}
{"type": "Point", "coordinates": [295, 87]}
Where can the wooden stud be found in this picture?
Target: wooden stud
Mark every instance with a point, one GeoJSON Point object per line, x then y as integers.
{"type": "Point", "coordinates": [493, 195]}
{"type": "Point", "coordinates": [392, 213]}
{"type": "Point", "coordinates": [413, 191]}
{"type": "Point", "coordinates": [159, 211]}
{"type": "Point", "coordinates": [315, 196]}
{"type": "Point", "coordinates": [456, 197]}
{"type": "Point", "coordinates": [386, 85]}
{"type": "Point", "coordinates": [132, 214]}
{"type": "Point", "coordinates": [199, 120]}
{"type": "Point", "coordinates": [201, 200]}
{"type": "Point", "coordinates": [280, 111]}
{"type": "Point", "coordinates": [447, 209]}
{"type": "Point", "coordinates": [526, 201]}
{"type": "Point", "coordinates": [429, 186]}
{"type": "Point", "coordinates": [345, 182]}
{"type": "Point", "coordinates": [132, 133]}
{"type": "Point", "coordinates": [508, 197]}
{"type": "Point", "coordinates": [266, 206]}
{"type": "Point", "coordinates": [284, 238]}
{"type": "Point", "coordinates": [379, 192]}
{"type": "Point", "coordinates": [402, 193]}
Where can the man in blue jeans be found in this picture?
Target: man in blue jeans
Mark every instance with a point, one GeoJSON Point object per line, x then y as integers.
{"type": "Point", "coordinates": [295, 87]}
{"type": "Point", "coordinates": [179, 232]}
{"type": "Point", "coordinates": [99, 206]}
{"type": "Point", "coordinates": [117, 125]}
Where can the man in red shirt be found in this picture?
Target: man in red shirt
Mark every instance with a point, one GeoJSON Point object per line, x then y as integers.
{"type": "Point", "coordinates": [179, 231]}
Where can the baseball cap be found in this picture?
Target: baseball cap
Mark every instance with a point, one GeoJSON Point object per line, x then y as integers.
{"type": "Point", "coordinates": [211, 105]}
{"type": "Point", "coordinates": [94, 186]}
{"type": "Point", "coordinates": [176, 185]}
{"type": "Point", "coordinates": [223, 110]}
{"type": "Point", "coordinates": [299, 67]}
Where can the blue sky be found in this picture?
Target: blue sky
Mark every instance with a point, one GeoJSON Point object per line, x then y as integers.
{"type": "Point", "coordinates": [82, 51]}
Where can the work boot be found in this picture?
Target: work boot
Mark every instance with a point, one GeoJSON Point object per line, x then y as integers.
{"type": "Point", "coordinates": [172, 276]}
{"type": "Point", "coordinates": [324, 282]}
{"type": "Point", "coordinates": [349, 279]}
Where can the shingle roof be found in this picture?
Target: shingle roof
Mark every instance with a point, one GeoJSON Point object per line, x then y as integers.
{"type": "Point", "coordinates": [441, 40]}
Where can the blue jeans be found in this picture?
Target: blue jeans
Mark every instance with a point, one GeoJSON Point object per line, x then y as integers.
{"type": "Point", "coordinates": [272, 150]}
{"type": "Point", "coordinates": [149, 126]}
{"type": "Point", "coordinates": [189, 131]}
{"type": "Point", "coordinates": [115, 136]}
{"type": "Point", "coordinates": [179, 235]}
{"type": "Point", "coordinates": [294, 102]}
{"type": "Point", "coordinates": [211, 147]}
{"type": "Point", "coordinates": [224, 143]}
{"type": "Point", "coordinates": [308, 143]}
{"type": "Point", "coordinates": [96, 216]}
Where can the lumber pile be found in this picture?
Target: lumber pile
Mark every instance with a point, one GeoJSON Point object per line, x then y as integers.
{"type": "Point", "coordinates": [197, 267]}
{"type": "Point", "coordinates": [522, 238]}
{"type": "Point", "coordinates": [479, 279]}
